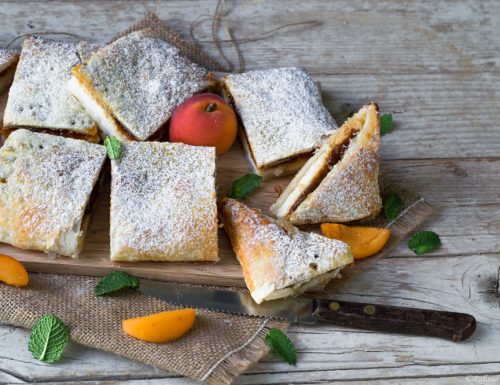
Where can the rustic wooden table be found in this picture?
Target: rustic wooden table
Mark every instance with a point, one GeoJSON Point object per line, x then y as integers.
{"type": "Point", "coordinates": [435, 66]}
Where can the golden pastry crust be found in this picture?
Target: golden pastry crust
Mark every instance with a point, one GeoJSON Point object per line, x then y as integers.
{"type": "Point", "coordinates": [8, 61]}
{"type": "Point", "coordinates": [340, 182]}
{"type": "Point", "coordinates": [132, 86]}
{"type": "Point", "coordinates": [277, 259]}
{"type": "Point", "coordinates": [282, 115]}
{"type": "Point", "coordinates": [39, 98]}
{"type": "Point", "coordinates": [163, 203]}
{"type": "Point", "coordinates": [46, 184]}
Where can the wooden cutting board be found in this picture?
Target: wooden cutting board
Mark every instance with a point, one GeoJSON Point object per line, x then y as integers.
{"type": "Point", "coordinates": [95, 257]}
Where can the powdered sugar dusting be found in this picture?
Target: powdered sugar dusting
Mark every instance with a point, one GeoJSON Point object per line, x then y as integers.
{"type": "Point", "coordinates": [143, 78]}
{"type": "Point", "coordinates": [163, 203]}
{"type": "Point", "coordinates": [281, 111]}
{"type": "Point", "coordinates": [45, 185]}
{"type": "Point", "coordinates": [350, 191]}
{"type": "Point", "coordinates": [7, 58]}
{"type": "Point", "coordinates": [278, 254]}
{"type": "Point", "coordinates": [39, 96]}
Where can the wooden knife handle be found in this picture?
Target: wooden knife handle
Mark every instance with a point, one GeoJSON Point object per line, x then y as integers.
{"type": "Point", "coordinates": [395, 319]}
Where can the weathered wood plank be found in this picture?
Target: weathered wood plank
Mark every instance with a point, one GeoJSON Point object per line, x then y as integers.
{"type": "Point", "coordinates": [354, 37]}
{"type": "Point", "coordinates": [329, 353]}
{"type": "Point", "coordinates": [437, 112]}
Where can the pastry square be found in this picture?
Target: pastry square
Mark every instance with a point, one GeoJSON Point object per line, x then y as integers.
{"type": "Point", "coordinates": [39, 98]}
{"type": "Point", "coordinates": [132, 86]}
{"type": "Point", "coordinates": [340, 182]}
{"type": "Point", "coordinates": [47, 185]}
{"type": "Point", "coordinates": [279, 260]}
{"type": "Point", "coordinates": [163, 203]}
{"type": "Point", "coordinates": [282, 116]}
{"type": "Point", "coordinates": [8, 61]}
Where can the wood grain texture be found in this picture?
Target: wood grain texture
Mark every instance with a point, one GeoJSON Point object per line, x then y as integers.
{"type": "Point", "coordinates": [331, 353]}
{"type": "Point", "coordinates": [435, 66]}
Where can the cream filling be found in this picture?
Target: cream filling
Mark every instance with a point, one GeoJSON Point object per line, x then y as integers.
{"type": "Point", "coordinates": [104, 120]}
{"type": "Point", "coordinates": [283, 206]}
{"type": "Point", "coordinates": [268, 292]}
{"type": "Point", "coordinates": [280, 169]}
{"type": "Point", "coordinates": [70, 243]}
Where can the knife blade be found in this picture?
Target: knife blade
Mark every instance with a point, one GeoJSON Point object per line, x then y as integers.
{"type": "Point", "coordinates": [391, 319]}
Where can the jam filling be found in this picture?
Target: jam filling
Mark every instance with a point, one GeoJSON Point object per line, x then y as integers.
{"type": "Point", "coordinates": [335, 156]}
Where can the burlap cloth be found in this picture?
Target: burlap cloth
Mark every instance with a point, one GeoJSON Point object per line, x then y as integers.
{"type": "Point", "coordinates": [220, 346]}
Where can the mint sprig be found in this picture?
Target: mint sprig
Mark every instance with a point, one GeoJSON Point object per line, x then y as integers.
{"type": "Point", "coordinates": [48, 339]}
{"type": "Point", "coordinates": [244, 186]}
{"type": "Point", "coordinates": [424, 242]}
{"type": "Point", "coordinates": [281, 345]}
{"type": "Point", "coordinates": [113, 147]}
{"type": "Point", "coordinates": [385, 124]}
{"type": "Point", "coordinates": [392, 206]}
{"type": "Point", "coordinates": [115, 281]}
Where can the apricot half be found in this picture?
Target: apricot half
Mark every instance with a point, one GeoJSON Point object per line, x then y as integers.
{"type": "Point", "coordinates": [364, 241]}
{"type": "Point", "coordinates": [160, 327]}
{"type": "Point", "coordinates": [12, 272]}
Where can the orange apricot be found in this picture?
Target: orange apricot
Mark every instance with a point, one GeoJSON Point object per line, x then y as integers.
{"type": "Point", "coordinates": [12, 272]}
{"type": "Point", "coordinates": [363, 241]}
{"type": "Point", "coordinates": [160, 327]}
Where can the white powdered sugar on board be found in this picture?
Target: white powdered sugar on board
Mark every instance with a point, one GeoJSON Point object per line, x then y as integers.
{"type": "Point", "coordinates": [163, 203]}
{"type": "Point", "coordinates": [281, 111]}
{"type": "Point", "coordinates": [142, 79]}
{"type": "Point", "coordinates": [39, 96]}
{"type": "Point", "coordinates": [7, 58]}
{"type": "Point", "coordinates": [45, 185]}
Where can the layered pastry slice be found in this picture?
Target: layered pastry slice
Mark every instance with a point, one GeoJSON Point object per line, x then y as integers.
{"type": "Point", "coordinates": [282, 118]}
{"type": "Point", "coordinates": [47, 188]}
{"type": "Point", "coordinates": [8, 61]}
{"type": "Point", "coordinates": [163, 203]}
{"type": "Point", "coordinates": [340, 182]}
{"type": "Point", "coordinates": [39, 98]}
{"type": "Point", "coordinates": [277, 259]}
{"type": "Point", "coordinates": [132, 86]}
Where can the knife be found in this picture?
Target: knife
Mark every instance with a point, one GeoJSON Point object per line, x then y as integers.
{"type": "Point", "coordinates": [392, 319]}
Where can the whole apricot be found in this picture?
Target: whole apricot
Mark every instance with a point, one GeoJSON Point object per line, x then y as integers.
{"type": "Point", "coordinates": [204, 120]}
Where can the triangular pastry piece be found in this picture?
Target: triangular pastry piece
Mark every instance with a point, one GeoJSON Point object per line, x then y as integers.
{"type": "Point", "coordinates": [340, 182]}
{"type": "Point", "coordinates": [277, 259]}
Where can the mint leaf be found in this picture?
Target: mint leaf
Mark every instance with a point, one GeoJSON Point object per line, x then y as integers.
{"type": "Point", "coordinates": [385, 124]}
{"type": "Point", "coordinates": [281, 345]}
{"type": "Point", "coordinates": [48, 339]}
{"type": "Point", "coordinates": [424, 242]}
{"type": "Point", "coordinates": [392, 206]}
{"type": "Point", "coordinates": [243, 186]}
{"type": "Point", "coordinates": [113, 147]}
{"type": "Point", "coordinates": [114, 281]}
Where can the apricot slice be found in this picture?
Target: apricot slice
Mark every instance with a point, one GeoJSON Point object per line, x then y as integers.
{"type": "Point", "coordinates": [160, 327]}
{"type": "Point", "coordinates": [364, 241]}
{"type": "Point", "coordinates": [12, 272]}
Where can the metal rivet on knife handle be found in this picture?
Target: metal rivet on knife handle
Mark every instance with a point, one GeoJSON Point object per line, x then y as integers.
{"type": "Point", "coordinates": [334, 306]}
{"type": "Point", "coordinates": [369, 309]}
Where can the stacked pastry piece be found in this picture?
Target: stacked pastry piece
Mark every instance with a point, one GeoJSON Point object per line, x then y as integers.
{"type": "Point", "coordinates": [163, 197]}
{"type": "Point", "coordinates": [163, 194]}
